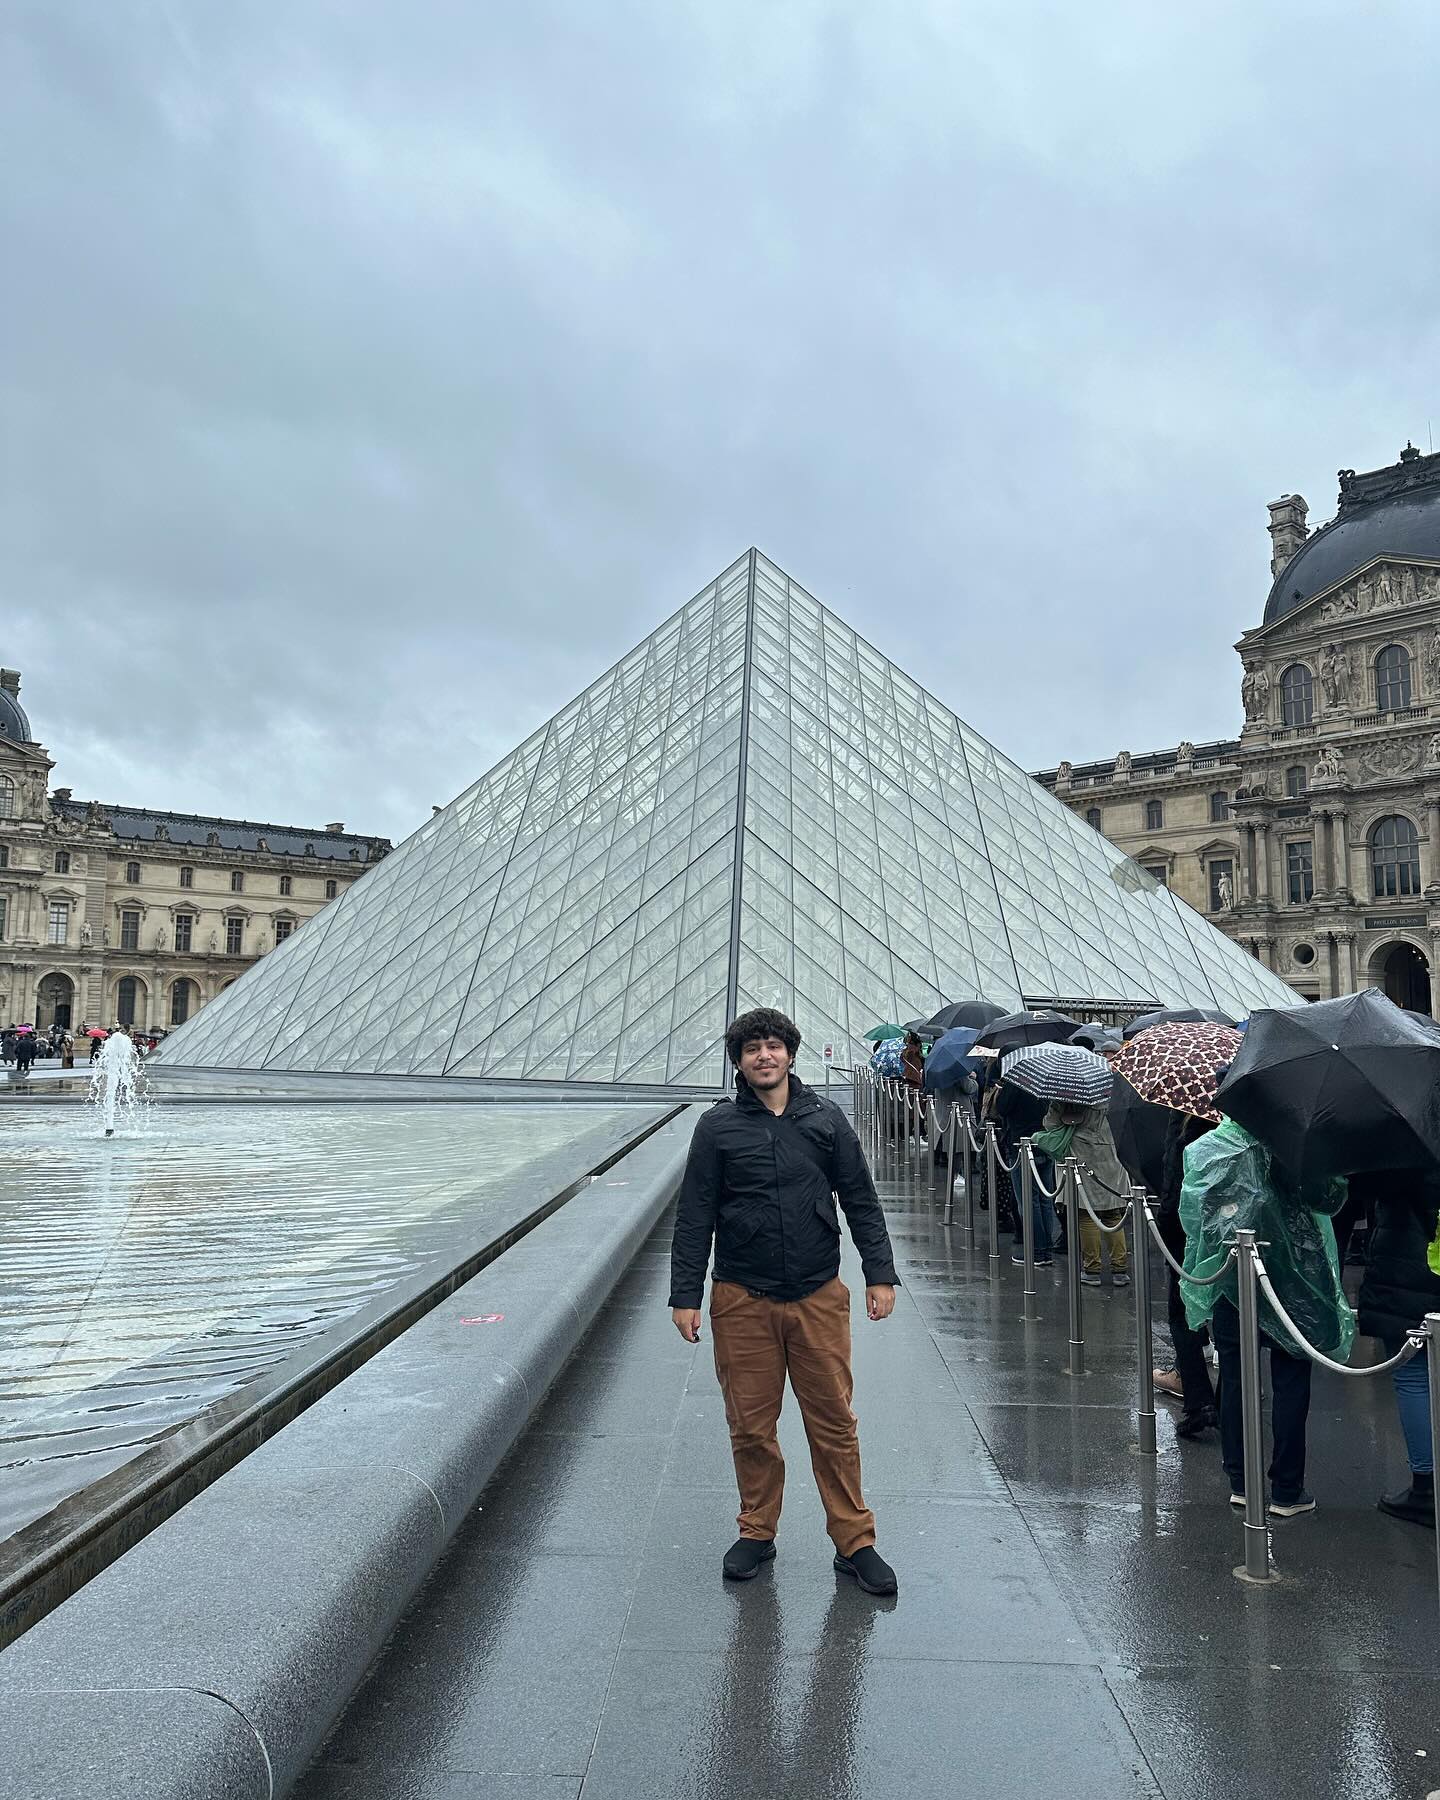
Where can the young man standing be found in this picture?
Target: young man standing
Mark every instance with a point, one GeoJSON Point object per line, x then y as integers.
{"type": "Point", "coordinates": [762, 1180]}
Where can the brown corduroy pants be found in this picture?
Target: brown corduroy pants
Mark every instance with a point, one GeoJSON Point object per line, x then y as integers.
{"type": "Point", "coordinates": [759, 1342]}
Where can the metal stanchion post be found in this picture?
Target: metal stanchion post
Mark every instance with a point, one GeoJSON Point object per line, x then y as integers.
{"type": "Point", "coordinates": [1027, 1229]}
{"type": "Point", "coordinates": [1073, 1266]}
{"type": "Point", "coordinates": [952, 1136]}
{"type": "Point", "coordinates": [1432, 1358]}
{"type": "Point", "coordinates": [970, 1184]}
{"type": "Point", "coordinates": [932, 1145]}
{"type": "Point", "coordinates": [992, 1158]}
{"type": "Point", "coordinates": [917, 1138]}
{"type": "Point", "coordinates": [1144, 1345]}
{"type": "Point", "coordinates": [1256, 1566]}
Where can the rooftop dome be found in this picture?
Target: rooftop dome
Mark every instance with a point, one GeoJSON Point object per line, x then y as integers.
{"type": "Point", "coordinates": [1387, 512]}
{"type": "Point", "coordinates": [13, 723]}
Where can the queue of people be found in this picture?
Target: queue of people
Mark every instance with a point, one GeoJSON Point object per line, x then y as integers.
{"type": "Point", "coordinates": [1232, 1132]}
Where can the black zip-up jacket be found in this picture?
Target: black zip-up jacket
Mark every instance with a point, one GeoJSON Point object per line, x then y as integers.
{"type": "Point", "coordinates": [1399, 1287]}
{"type": "Point", "coordinates": [764, 1189]}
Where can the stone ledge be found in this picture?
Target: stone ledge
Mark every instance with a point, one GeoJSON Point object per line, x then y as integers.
{"type": "Point", "coordinates": [213, 1657]}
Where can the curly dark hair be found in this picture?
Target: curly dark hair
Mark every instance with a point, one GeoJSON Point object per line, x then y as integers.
{"type": "Point", "coordinates": [763, 1022]}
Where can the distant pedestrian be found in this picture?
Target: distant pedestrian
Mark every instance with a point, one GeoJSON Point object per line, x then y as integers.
{"type": "Point", "coordinates": [761, 1183]}
{"type": "Point", "coordinates": [1084, 1133]}
{"type": "Point", "coordinates": [25, 1048]}
{"type": "Point", "coordinates": [95, 1044]}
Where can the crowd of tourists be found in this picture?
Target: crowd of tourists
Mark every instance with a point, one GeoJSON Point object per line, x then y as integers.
{"type": "Point", "coordinates": [22, 1046]}
{"type": "Point", "coordinates": [1306, 1127]}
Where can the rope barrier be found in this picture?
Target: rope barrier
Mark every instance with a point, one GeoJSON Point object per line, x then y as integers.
{"type": "Point", "coordinates": [1035, 1176]}
{"type": "Point", "coordinates": [1179, 1268]}
{"type": "Point", "coordinates": [1119, 1225]}
{"type": "Point", "coordinates": [1414, 1343]}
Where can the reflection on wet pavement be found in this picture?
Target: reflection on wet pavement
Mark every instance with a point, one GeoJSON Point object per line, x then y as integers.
{"type": "Point", "coordinates": [1067, 1622]}
{"type": "Point", "coordinates": [143, 1276]}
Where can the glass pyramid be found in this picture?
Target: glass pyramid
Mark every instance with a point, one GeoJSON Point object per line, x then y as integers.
{"type": "Point", "coordinates": [753, 808]}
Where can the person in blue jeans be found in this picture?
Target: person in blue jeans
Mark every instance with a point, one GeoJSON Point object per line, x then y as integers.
{"type": "Point", "coordinates": [1401, 1285]}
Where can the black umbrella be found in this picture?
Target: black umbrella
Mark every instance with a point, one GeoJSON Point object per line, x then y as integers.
{"type": "Point", "coordinates": [974, 1015]}
{"type": "Point", "coordinates": [1339, 1087]}
{"type": "Point", "coordinates": [1015, 1029]}
{"type": "Point", "coordinates": [1178, 1015]}
{"type": "Point", "coordinates": [1097, 1037]}
{"type": "Point", "coordinates": [1140, 1131]}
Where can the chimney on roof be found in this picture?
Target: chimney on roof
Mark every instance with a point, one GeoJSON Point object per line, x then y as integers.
{"type": "Point", "coordinates": [1288, 529]}
{"type": "Point", "coordinates": [10, 680]}
{"type": "Point", "coordinates": [337, 827]}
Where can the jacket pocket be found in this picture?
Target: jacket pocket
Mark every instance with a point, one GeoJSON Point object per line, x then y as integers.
{"type": "Point", "coordinates": [825, 1206]}
{"type": "Point", "coordinates": [739, 1228]}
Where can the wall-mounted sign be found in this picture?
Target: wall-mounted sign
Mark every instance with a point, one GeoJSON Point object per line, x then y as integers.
{"type": "Point", "coordinates": [1397, 922]}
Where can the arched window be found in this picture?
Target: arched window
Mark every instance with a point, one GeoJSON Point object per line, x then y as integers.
{"type": "Point", "coordinates": [1392, 678]}
{"type": "Point", "coordinates": [181, 996]}
{"type": "Point", "coordinates": [7, 797]}
{"type": "Point", "coordinates": [1394, 858]}
{"type": "Point", "coordinates": [1297, 696]}
{"type": "Point", "coordinates": [1154, 815]}
{"type": "Point", "coordinates": [1219, 808]}
{"type": "Point", "coordinates": [132, 873]}
{"type": "Point", "coordinates": [1092, 817]}
{"type": "Point", "coordinates": [127, 998]}
{"type": "Point", "coordinates": [1296, 781]}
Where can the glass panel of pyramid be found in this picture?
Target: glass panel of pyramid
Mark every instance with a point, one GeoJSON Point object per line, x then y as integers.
{"type": "Point", "coordinates": [754, 807]}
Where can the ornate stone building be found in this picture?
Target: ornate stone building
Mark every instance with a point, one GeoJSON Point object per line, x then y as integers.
{"type": "Point", "coordinates": [118, 914]}
{"type": "Point", "coordinates": [1314, 837]}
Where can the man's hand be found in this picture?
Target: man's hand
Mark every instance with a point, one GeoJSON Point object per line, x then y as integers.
{"type": "Point", "coordinates": [879, 1302]}
{"type": "Point", "coordinates": [687, 1319]}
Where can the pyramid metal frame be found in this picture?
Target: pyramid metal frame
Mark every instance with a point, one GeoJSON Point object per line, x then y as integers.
{"type": "Point", "coordinates": [754, 807]}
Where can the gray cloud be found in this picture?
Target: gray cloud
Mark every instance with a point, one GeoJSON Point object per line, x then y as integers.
{"type": "Point", "coordinates": [375, 376]}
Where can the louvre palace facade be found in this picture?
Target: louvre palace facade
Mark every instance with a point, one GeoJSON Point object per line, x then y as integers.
{"type": "Point", "coordinates": [120, 914]}
{"type": "Point", "coordinates": [1313, 838]}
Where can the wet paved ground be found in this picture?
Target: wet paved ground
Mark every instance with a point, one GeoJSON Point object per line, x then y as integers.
{"type": "Point", "coordinates": [1067, 1622]}
{"type": "Point", "coordinates": [146, 1275]}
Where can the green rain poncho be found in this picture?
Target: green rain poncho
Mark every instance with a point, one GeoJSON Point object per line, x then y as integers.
{"type": "Point", "coordinates": [1232, 1184]}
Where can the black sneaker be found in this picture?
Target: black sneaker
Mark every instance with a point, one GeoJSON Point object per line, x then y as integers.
{"type": "Point", "coordinates": [1415, 1503]}
{"type": "Point", "coordinates": [744, 1557]}
{"type": "Point", "coordinates": [870, 1569]}
{"type": "Point", "coordinates": [1190, 1425]}
{"type": "Point", "coordinates": [1291, 1509]}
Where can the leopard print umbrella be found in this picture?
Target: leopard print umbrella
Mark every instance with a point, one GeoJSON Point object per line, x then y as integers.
{"type": "Point", "coordinates": [1179, 1066]}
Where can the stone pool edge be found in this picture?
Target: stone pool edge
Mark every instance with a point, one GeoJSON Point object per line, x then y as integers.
{"type": "Point", "coordinates": [217, 1653]}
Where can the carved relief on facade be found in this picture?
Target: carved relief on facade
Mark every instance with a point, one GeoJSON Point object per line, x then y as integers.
{"type": "Point", "coordinates": [1385, 761]}
{"type": "Point", "coordinates": [1385, 588]}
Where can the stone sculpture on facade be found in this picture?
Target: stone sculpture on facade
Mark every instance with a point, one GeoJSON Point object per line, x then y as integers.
{"type": "Point", "coordinates": [1225, 887]}
{"type": "Point", "coordinates": [1186, 752]}
{"type": "Point", "coordinates": [1065, 771]}
{"type": "Point", "coordinates": [1122, 763]}
{"type": "Point", "coordinates": [1430, 661]}
{"type": "Point", "coordinates": [1335, 677]}
{"type": "Point", "coordinates": [1255, 691]}
{"type": "Point", "coordinates": [1328, 766]}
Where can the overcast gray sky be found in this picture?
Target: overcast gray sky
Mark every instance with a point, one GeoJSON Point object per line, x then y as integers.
{"type": "Point", "coordinates": [374, 374]}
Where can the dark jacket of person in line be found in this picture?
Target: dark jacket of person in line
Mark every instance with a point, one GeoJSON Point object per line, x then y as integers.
{"type": "Point", "coordinates": [765, 1189]}
{"type": "Point", "coordinates": [1399, 1287]}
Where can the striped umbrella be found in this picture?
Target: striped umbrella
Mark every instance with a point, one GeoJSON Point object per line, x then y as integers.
{"type": "Point", "coordinates": [1061, 1072]}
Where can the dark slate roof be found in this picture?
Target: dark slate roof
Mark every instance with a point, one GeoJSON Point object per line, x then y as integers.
{"type": "Point", "coordinates": [139, 824]}
{"type": "Point", "coordinates": [13, 723]}
{"type": "Point", "coordinates": [1149, 762]}
{"type": "Point", "coordinates": [1387, 512]}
